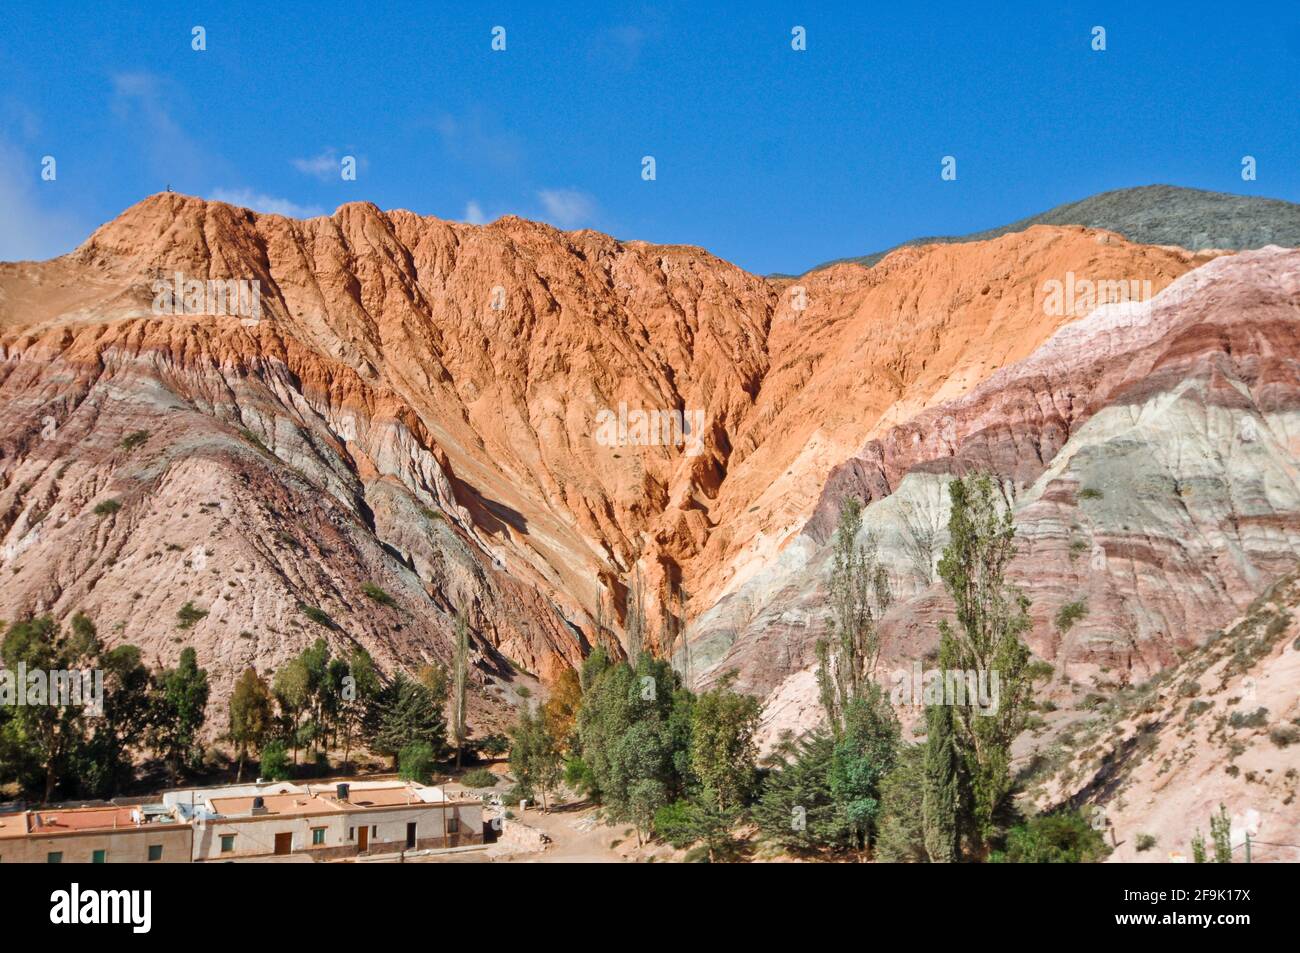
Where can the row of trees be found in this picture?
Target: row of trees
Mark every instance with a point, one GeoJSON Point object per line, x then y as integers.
{"type": "Point", "coordinates": [683, 766]}
{"type": "Point", "coordinates": [70, 747]}
{"type": "Point", "coordinates": [857, 784]}
{"type": "Point", "coordinates": [316, 701]}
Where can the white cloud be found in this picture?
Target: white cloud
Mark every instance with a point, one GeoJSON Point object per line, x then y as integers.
{"type": "Point", "coordinates": [474, 213]}
{"type": "Point", "coordinates": [140, 101]}
{"type": "Point", "coordinates": [29, 228]}
{"type": "Point", "coordinates": [477, 140]}
{"type": "Point", "coordinates": [567, 208]}
{"type": "Point", "coordinates": [259, 202]}
{"type": "Point", "coordinates": [324, 166]}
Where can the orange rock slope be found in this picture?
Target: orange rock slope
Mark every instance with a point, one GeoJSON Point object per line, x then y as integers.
{"type": "Point", "coordinates": [439, 409]}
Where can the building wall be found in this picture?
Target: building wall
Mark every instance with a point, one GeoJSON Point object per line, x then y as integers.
{"type": "Point", "coordinates": [388, 834]}
{"type": "Point", "coordinates": [122, 846]}
{"type": "Point", "coordinates": [255, 836]}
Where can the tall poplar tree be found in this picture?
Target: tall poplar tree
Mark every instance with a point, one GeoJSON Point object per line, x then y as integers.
{"type": "Point", "coordinates": [991, 617]}
{"type": "Point", "coordinates": [460, 686]}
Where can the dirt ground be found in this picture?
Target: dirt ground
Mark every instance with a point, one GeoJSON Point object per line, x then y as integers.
{"type": "Point", "coordinates": [578, 836]}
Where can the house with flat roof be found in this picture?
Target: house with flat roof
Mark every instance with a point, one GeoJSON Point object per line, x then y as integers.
{"type": "Point", "coordinates": [326, 821]}
{"type": "Point", "coordinates": [95, 835]}
{"type": "Point", "coordinates": [248, 821]}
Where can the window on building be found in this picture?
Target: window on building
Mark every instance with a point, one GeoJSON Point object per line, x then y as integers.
{"type": "Point", "coordinates": [54, 857]}
{"type": "Point", "coordinates": [98, 856]}
{"type": "Point", "coordinates": [155, 852]}
{"type": "Point", "coordinates": [351, 832]}
{"type": "Point", "coordinates": [227, 843]}
{"type": "Point", "coordinates": [317, 836]}
{"type": "Point", "coordinates": [374, 830]}
{"type": "Point", "coordinates": [453, 825]}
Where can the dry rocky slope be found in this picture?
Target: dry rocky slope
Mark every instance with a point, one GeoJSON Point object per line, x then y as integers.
{"type": "Point", "coordinates": [1222, 727]}
{"type": "Point", "coordinates": [418, 408]}
{"type": "Point", "coordinates": [1150, 451]}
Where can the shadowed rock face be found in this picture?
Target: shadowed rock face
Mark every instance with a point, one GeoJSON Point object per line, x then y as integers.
{"type": "Point", "coordinates": [1151, 455]}
{"type": "Point", "coordinates": [419, 406]}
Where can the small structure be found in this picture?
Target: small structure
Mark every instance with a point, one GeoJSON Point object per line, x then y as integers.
{"type": "Point", "coordinates": [95, 835]}
{"type": "Point", "coordinates": [327, 821]}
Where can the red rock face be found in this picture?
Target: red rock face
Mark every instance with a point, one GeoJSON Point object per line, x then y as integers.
{"type": "Point", "coordinates": [1151, 455]}
{"type": "Point", "coordinates": [419, 405]}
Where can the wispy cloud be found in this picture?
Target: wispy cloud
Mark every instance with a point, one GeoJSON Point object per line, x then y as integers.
{"type": "Point", "coordinates": [620, 47]}
{"type": "Point", "coordinates": [322, 167]}
{"type": "Point", "coordinates": [140, 100]}
{"type": "Point", "coordinates": [473, 138]}
{"type": "Point", "coordinates": [29, 227]}
{"type": "Point", "coordinates": [259, 202]}
{"type": "Point", "coordinates": [326, 166]}
{"type": "Point", "coordinates": [474, 213]}
{"type": "Point", "coordinates": [567, 208]}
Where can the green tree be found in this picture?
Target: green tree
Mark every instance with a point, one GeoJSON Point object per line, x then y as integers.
{"type": "Point", "coordinates": [361, 685]}
{"type": "Point", "coordinates": [406, 714]}
{"type": "Point", "coordinates": [460, 686]}
{"type": "Point", "coordinates": [183, 701]}
{"type": "Point", "coordinates": [535, 759]}
{"type": "Point", "coordinates": [315, 662]}
{"type": "Point", "coordinates": [699, 821]}
{"type": "Point", "coordinates": [633, 727]}
{"type": "Point", "coordinates": [860, 595]}
{"type": "Point", "coordinates": [103, 765]}
{"type": "Point", "coordinates": [44, 737]}
{"type": "Point", "coordinates": [796, 810]}
{"type": "Point", "coordinates": [1221, 835]}
{"type": "Point", "coordinates": [577, 775]}
{"type": "Point", "coordinates": [292, 690]}
{"type": "Point", "coordinates": [860, 718]}
{"type": "Point", "coordinates": [941, 792]}
{"type": "Point", "coordinates": [724, 753]}
{"type": "Point", "coordinates": [275, 762]}
{"type": "Point", "coordinates": [863, 754]}
{"type": "Point", "coordinates": [333, 702]}
{"type": "Point", "coordinates": [646, 795]}
{"type": "Point", "coordinates": [415, 762]}
{"type": "Point", "coordinates": [901, 827]}
{"type": "Point", "coordinates": [991, 617]}
{"type": "Point", "coordinates": [252, 715]}
{"type": "Point", "coordinates": [1064, 837]}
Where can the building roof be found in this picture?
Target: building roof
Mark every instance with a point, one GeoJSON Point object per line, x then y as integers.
{"type": "Point", "coordinates": [282, 804]}
{"type": "Point", "coordinates": [282, 799]}
{"type": "Point", "coordinates": [75, 820]}
{"type": "Point", "coordinates": [390, 797]}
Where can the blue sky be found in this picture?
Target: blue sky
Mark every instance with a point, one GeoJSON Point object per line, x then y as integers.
{"type": "Point", "coordinates": [768, 157]}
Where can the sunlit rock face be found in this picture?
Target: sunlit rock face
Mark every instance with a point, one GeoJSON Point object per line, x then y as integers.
{"type": "Point", "coordinates": [510, 420]}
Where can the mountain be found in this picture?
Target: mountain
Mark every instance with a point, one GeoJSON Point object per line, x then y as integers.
{"type": "Point", "coordinates": [425, 407]}
{"type": "Point", "coordinates": [1150, 454]}
{"type": "Point", "coordinates": [426, 417]}
{"type": "Point", "coordinates": [1154, 215]}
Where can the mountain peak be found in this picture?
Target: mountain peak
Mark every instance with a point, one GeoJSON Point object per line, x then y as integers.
{"type": "Point", "coordinates": [1194, 219]}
